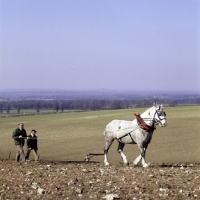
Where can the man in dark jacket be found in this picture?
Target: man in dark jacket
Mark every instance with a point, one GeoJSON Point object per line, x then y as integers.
{"type": "Point", "coordinates": [32, 145]}
{"type": "Point", "coordinates": [19, 135]}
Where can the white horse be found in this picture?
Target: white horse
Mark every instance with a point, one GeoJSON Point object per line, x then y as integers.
{"type": "Point", "coordinates": [139, 131]}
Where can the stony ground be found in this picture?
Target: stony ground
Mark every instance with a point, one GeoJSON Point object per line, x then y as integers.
{"type": "Point", "coordinates": [91, 180]}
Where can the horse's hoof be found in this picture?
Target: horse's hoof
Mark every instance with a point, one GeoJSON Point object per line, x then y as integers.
{"type": "Point", "coordinates": [145, 165]}
{"type": "Point", "coordinates": [106, 163]}
{"type": "Point", "coordinates": [126, 163]}
{"type": "Point", "coordinates": [135, 163]}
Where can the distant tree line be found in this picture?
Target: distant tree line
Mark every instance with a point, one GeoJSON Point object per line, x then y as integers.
{"type": "Point", "coordinates": [89, 104]}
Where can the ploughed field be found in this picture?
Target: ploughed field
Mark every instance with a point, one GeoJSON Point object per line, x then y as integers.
{"type": "Point", "coordinates": [92, 180]}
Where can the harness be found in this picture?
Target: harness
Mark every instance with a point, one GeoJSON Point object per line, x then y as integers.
{"type": "Point", "coordinates": [143, 125]}
{"type": "Point", "coordinates": [119, 139]}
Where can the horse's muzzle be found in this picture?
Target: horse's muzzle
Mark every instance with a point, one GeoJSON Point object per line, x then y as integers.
{"type": "Point", "coordinates": [164, 124]}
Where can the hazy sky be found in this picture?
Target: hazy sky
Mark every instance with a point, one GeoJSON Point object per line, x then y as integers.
{"type": "Point", "coordinates": [100, 44]}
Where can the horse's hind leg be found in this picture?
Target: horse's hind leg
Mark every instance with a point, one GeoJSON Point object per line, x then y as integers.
{"type": "Point", "coordinates": [109, 140]}
{"type": "Point", "coordinates": [120, 150]}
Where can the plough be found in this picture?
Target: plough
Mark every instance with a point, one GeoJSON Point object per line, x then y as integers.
{"type": "Point", "coordinates": [90, 155]}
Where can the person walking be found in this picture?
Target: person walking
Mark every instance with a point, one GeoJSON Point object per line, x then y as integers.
{"type": "Point", "coordinates": [19, 135]}
{"type": "Point", "coordinates": [32, 145]}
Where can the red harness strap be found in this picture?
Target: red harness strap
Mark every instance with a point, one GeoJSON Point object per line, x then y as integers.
{"type": "Point", "coordinates": [142, 124]}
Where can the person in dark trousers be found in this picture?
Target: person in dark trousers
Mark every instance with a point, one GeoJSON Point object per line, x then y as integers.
{"type": "Point", "coordinates": [19, 135]}
{"type": "Point", "coordinates": [32, 145]}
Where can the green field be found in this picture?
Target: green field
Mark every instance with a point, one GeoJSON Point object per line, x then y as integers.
{"type": "Point", "coordinates": [70, 136]}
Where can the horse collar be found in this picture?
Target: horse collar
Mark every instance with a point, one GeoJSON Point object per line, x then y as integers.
{"type": "Point", "coordinates": [143, 125]}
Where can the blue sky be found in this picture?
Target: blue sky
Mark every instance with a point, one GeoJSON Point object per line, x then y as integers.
{"type": "Point", "coordinates": [133, 45]}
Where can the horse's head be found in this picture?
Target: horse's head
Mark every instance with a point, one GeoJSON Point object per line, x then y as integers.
{"type": "Point", "coordinates": [160, 116]}
{"type": "Point", "coordinates": [155, 115]}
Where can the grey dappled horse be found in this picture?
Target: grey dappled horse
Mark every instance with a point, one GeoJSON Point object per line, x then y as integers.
{"type": "Point", "coordinates": [134, 132]}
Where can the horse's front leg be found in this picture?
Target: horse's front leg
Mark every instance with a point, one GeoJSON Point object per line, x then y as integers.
{"type": "Point", "coordinates": [144, 163]}
{"type": "Point", "coordinates": [120, 150]}
{"type": "Point", "coordinates": [142, 149]}
{"type": "Point", "coordinates": [137, 160]}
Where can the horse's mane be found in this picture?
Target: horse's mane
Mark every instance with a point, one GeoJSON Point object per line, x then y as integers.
{"type": "Point", "coordinates": [145, 114]}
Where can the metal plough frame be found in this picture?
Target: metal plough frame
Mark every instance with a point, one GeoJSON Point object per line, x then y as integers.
{"type": "Point", "coordinates": [90, 155]}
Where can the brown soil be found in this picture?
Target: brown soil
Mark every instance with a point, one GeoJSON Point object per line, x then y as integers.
{"type": "Point", "coordinates": [92, 180]}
